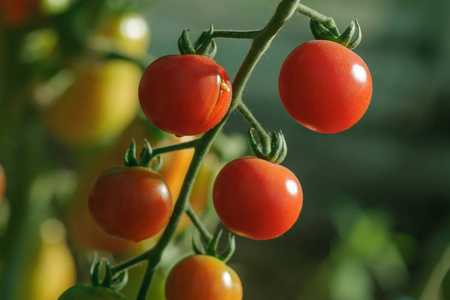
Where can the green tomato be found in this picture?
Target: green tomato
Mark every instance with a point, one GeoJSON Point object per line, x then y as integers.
{"type": "Point", "coordinates": [83, 292]}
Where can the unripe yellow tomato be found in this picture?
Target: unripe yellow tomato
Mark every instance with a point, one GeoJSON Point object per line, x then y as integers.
{"type": "Point", "coordinates": [129, 33]}
{"type": "Point", "coordinates": [98, 106]}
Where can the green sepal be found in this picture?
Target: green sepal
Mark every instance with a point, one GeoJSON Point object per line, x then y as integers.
{"type": "Point", "coordinates": [94, 272]}
{"type": "Point", "coordinates": [328, 31]}
{"type": "Point", "coordinates": [130, 155]}
{"type": "Point", "coordinates": [278, 147]}
{"type": "Point", "coordinates": [196, 249]}
{"type": "Point", "coordinates": [210, 248]}
{"type": "Point", "coordinates": [146, 156]}
{"type": "Point", "coordinates": [120, 280]}
{"type": "Point", "coordinates": [184, 43]}
{"type": "Point", "coordinates": [230, 249]}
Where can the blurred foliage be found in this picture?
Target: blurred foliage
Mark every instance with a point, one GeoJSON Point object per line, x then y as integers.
{"type": "Point", "coordinates": [375, 222]}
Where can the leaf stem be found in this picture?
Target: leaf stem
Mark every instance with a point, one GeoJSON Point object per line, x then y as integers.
{"type": "Point", "coordinates": [314, 15]}
{"type": "Point", "coordinates": [198, 224]}
{"type": "Point", "coordinates": [235, 34]}
{"type": "Point", "coordinates": [175, 147]}
{"type": "Point", "coordinates": [248, 116]}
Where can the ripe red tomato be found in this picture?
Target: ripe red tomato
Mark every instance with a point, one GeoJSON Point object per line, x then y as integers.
{"type": "Point", "coordinates": [325, 86]}
{"type": "Point", "coordinates": [256, 198]}
{"type": "Point", "coordinates": [83, 292]}
{"type": "Point", "coordinates": [132, 203]}
{"type": "Point", "coordinates": [185, 94]}
{"type": "Point", "coordinates": [203, 277]}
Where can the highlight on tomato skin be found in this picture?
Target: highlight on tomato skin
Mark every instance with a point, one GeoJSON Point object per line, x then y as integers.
{"type": "Point", "coordinates": [256, 198]}
{"type": "Point", "coordinates": [203, 277]}
{"type": "Point", "coordinates": [324, 86]}
{"type": "Point", "coordinates": [185, 94]}
{"type": "Point", "coordinates": [132, 203]}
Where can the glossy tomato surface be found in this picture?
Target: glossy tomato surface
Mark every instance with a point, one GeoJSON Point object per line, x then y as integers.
{"type": "Point", "coordinates": [256, 198]}
{"type": "Point", "coordinates": [325, 86]}
{"type": "Point", "coordinates": [132, 203]}
{"type": "Point", "coordinates": [203, 277]}
{"type": "Point", "coordinates": [185, 94]}
{"type": "Point", "coordinates": [82, 292]}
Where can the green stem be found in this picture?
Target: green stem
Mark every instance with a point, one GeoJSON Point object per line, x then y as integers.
{"type": "Point", "coordinates": [112, 54]}
{"type": "Point", "coordinates": [198, 224]}
{"type": "Point", "coordinates": [235, 34]}
{"type": "Point", "coordinates": [262, 134]}
{"type": "Point", "coordinates": [175, 147]}
{"type": "Point", "coordinates": [312, 14]}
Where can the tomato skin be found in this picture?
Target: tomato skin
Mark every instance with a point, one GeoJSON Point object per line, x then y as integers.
{"type": "Point", "coordinates": [132, 203]}
{"type": "Point", "coordinates": [325, 86]}
{"type": "Point", "coordinates": [182, 94]}
{"type": "Point", "coordinates": [256, 198]}
{"type": "Point", "coordinates": [82, 292]}
{"type": "Point", "coordinates": [203, 277]}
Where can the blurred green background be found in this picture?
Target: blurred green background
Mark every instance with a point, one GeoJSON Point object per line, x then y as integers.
{"type": "Point", "coordinates": [375, 222]}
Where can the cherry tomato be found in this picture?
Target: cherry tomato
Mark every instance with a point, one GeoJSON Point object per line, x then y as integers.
{"type": "Point", "coordinates": [132, 203]}
{"type": "Point", "coordinates": [17, 12]}
{"type": "Point", "coordinates": [98, 106]}
{"type": "Point", "coordinates": [203, 277]}
{"type": "Point", "coordinates": [2, 183]}
{"type": "Point", "coordinates": [325, 86]}
{"type": "Point", "coordinates": [185, 94]}
{"type": "Point", "coordinates": [128, 32]}
{"type": "Point", "coordinates": [82, 292]}
{"type": "Point", "coordinates": [256, 198]}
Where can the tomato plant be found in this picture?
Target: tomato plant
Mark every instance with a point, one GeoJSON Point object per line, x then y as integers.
{"type": "Point", "coordinates": [185, 94]}
{"type": "Point", "coordinates": [82, 292]}
{"type": "Point", "coordinates": [203, 277]}
{"type": "Point", "coordinates": [325, 86]}
{"type": "Point", "coordinates": [132, 203]}
{"type": "Point", "coordinates": [256, 198]}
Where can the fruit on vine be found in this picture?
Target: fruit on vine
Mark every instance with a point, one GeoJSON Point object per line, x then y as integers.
{"type": "Point", "coordinates": [128, 33]}
{"type": "Point", "coordinates": [185, 94]}
{"type": "Point", "coordinates": [132, 203]}
{"type": "Point", "coordinates": [203, 277]}
{"type": "Point", "coordinates": [83, 292]}
{"type": "Point", "coordinates": [256, 198]}
{"type": "Point", "coordinates": [325, 86]}
{"type": "Point", "coordinates": [98, 106]}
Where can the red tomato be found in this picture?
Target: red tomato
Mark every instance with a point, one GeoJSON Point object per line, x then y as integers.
{"type": "Point", "coordinates": [185, 94]}
{"type": "Point", "coordinates": [325, 86]}
{"type": "Point", "coordinates": [203, 277]}
{"type": "Point", "coordinates": [256, 198]}
{"type": "Point", "coordinates": [132, 203]}
{"type": "Point", "coordinates": [17, 12]}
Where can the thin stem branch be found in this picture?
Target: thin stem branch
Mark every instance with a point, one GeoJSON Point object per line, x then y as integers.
{"type": "Point", "coordinates": [198, 224]}
{"type": "Point", "coordinates": [235, 34]}
{"type": "Point", "coordinates": [248, 116]}
{"type": "Point", "coordinates": [175, 147]}
{"type": "Point", "coordinates": [312, 14]}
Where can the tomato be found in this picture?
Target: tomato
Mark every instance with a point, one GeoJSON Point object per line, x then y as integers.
{"type": "Point", "coordinates": [128, 32]}
{"type": "Point", "coordinates": [84, 233]}
{"type": "Point", "coordinates": [98, 106]}
{"type": "Point", "coordinates": [132, 203]}
{"type": "Point", "coordinates": [17, 12]}
{"type": "Point", "coordinates": [53, 270]}
{"type": "Point", "coordinates": [256, 198]}
{"type": "Point", "coordinates": [203, 277]}
{"type": "Point", "coordinates": [325, 86]}
{"type": "Point", "coordinates": [82, 292]}
{"type": "Point", "coordinates": [185, 94]}
{"type": "Point", "coordinates": [2, 183]}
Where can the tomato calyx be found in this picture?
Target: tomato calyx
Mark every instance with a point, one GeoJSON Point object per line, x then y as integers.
{"type": "Point", "coordinates": [278, 147]}
{"type": "Point", "coordinates": [210, 247]}
{"type": "Point", "coordinates": [110, 280]}
{"type": "Point", "coordinates": [204, 45]}
{"type": "Point", "coordinates": [350, 38]}
{"type": "Point", "coordinates": [145, 158]}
